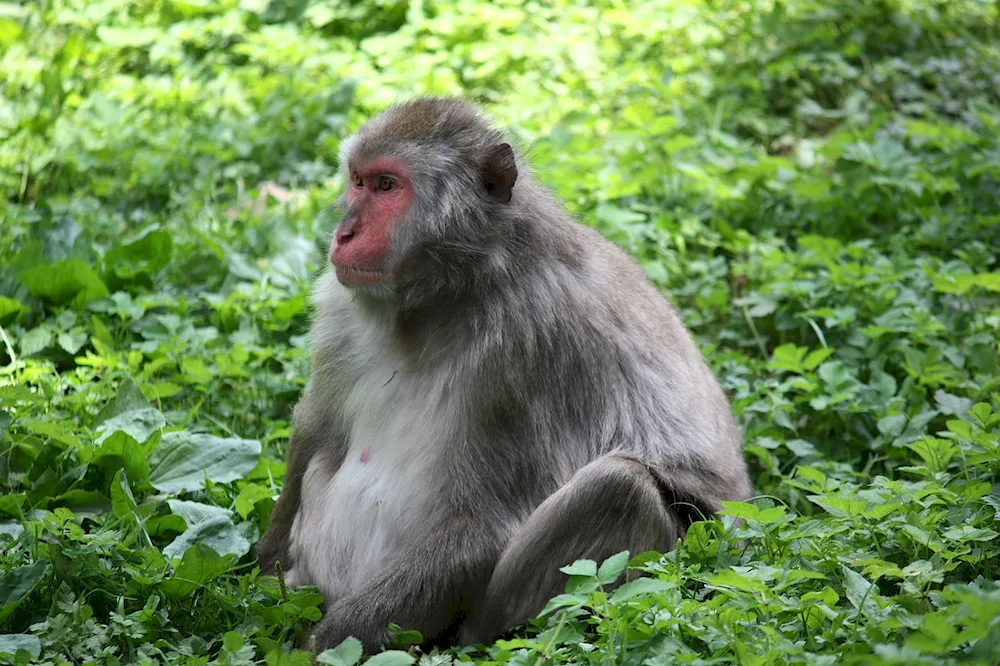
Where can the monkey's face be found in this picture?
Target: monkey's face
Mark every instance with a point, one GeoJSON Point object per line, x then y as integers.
{"type": "Point", "coordinates": [379, 196]}
{"type": "Point", "coordinates": [428, 185]}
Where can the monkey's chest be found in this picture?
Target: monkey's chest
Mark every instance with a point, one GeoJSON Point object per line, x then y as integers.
{"type": "Point", "coordinates": [353, 520]}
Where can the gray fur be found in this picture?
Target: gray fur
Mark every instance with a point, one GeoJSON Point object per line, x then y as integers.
{"type": "Point", "coordinates": [547, 402]}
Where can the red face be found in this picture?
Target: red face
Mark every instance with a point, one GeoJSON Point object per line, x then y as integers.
{"type": "Point", "coordinates": [378, 198]}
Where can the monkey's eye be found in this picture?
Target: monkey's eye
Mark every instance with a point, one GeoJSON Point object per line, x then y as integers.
{"type": "Point", "coordinates": [356, 178]}
{"type": "Point", "coordinates": [384, 183]}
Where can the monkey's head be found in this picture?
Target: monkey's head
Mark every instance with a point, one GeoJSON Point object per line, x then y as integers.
{"type": "Point", "coordinates": [428, 198]}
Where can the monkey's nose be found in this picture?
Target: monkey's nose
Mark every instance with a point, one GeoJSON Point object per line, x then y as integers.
{"type": "Point", "coordinates": [343, 236]}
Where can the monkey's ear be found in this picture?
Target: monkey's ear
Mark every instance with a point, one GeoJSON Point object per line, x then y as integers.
{"type": "Point", "coordinates": [499, 172]}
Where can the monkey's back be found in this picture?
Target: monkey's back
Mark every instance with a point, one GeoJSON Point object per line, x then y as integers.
{"type": "Point", "coordinates": [586, 357]}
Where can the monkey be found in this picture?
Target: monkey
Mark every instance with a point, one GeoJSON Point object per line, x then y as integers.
{"type": "Point", "coordinates": [495, 392]}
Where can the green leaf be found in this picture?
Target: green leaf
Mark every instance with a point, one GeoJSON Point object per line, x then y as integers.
{"type": "Point", "coordinates": [10, 32]}
{"type": "Point", "coordinates": [72, 341]}
{"type": "Point", "coordinates": [11, 529]}
{"type": "Point", "coordinates": [839, 506]}
{"type": "Point", "coordinates": [771, 515]}
{"type": "Point", "coordinates": [816, 357]}
{"type": "Point", "coordinates": [125, 37]}
{"type": "Point", "coordinates": [34, 341]}
{"type": "Point", "coordinates": [892, 426]}
{"type": "Point", "coordinates": [121, 451]}
{"type": "Point", "coordinates": [639, 114]}
{"type": "Point", "coordinates": [185, 461]}
{"type": "Point", "coordinates": [736, 580]}
{"type": "Point", "coordinates": [836, 375]}
{"type": "Point", "coordinates": [200, 565]}
{"type": "Point", "coordinates": [959, 284]}
{"type": "Point", "coordinates": [880, 511]}
{"type": "Point", "coordinates": [936, 453]}
{"type": "Point", "coordinates": [163, 526]}
{"type": "Point", "coordinates": [12, 504]}
{"type": "Point", "coordinates": [759, 305]}
{"type": "Point", "coordinates": [284, 657]}
{"type": "Point", "coordinates": [788, 357]}
{"type": "Point", "coordinates": [698, 540]}
{"type": "Point", "coordinates": [69, 282]}
{"type": "Point", "coordinates": [348, 653]}
{"type": "Point", "coordinates": [194, 513]}
{"type": "Point", "coordinates": [232, 641]}
{"type": "Point", "coordinates": [11, 643]}
{"type": "Point", "coordinates": [617, 217]}
{"type": "Point", "coordinates": [53, 430]}
{"type": "Point", "coordinates": [138, 259]}
{"type": "Point", "coordinates": [581, 568]}
{"type": "Point", "coordinates": [11, 395]}
{"type": "Point", "coordinates": [952, 404]}
{"type": "Point", "coordinates": [391, 658]}
{"type": "Point", "coordinates": [969, 533]}
{"type": "Point", "coordinates": [811, 473]}
{"type": "Point", "coordinates": [860, 592]}
{"type": "Point", "coordinates": [403, 639]}
{"type": "Point", "coordinates": [743, 510]}
{"type": "Point", "coordinates": [984, 415]}
{"type": "Point", "coordinates": [249, 496]}
{"type": "Point", "coordinates": [563, 601]}
{"type": "Point", "coordinates": [10, 307]}
{"type": "Point", "coordinates": [217, 533]}
{"type": "Point", "coordinates": [639, 587]}
{"type": "Point", "coordinates": [194, 371]}
{"type": "Point", "coordinates": [18, 583]}
{"type": "Point", "coordinates": [122, 501]}
{"type": "Point", "coordinates": [139, 424]}
{"type": "Point", "coordinates": [128, 398]}
{"type": "Point", "coordinates": [612, 568]}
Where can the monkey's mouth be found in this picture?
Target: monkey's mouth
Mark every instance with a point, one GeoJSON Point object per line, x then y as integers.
{"type": "Point", "coordinates": [354, 275]}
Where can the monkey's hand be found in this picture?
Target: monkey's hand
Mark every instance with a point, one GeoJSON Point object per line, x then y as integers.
{"type": "Point", "coordinates": [271, 550]}
{"type": "Point", "coordinates": [346, 618]}
{"type": "Point", "coordinates": [275, 544]}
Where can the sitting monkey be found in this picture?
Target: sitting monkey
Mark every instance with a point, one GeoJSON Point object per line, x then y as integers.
{"type": "Point", "coordinates": [496, 391]}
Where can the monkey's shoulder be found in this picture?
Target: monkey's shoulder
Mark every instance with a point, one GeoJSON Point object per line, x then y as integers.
{"type": "Point", "coordinates": [598, 294]}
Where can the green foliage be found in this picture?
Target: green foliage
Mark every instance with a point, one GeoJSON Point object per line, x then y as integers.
{"type": "Point", "coordinates": [816, 186]}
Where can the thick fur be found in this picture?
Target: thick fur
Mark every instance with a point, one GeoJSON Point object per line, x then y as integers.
{"type": "Point", "coordinates": [521, 396]}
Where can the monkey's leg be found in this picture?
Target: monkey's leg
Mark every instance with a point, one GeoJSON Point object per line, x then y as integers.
{"type": "Point", "coordinates": [427, 586]}
{"type": "Point", "coordinates": [610, 505]}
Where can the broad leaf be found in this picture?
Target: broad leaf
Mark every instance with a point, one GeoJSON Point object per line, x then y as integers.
{"type": "Point", "coordinates": [185, 461]}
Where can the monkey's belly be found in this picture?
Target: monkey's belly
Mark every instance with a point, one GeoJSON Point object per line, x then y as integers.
{"type": "Point", "coordinates": [350, 523]}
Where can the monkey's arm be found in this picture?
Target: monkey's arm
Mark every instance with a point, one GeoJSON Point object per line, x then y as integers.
{"type": "Point", "coordinates": [427, 587]}
{"type": "Point", "coordinates": [309, 438]}
{"type": "Point", "coordinates": [274, 543]}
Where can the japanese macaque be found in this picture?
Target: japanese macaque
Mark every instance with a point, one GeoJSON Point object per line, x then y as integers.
{"type": "Point", "coordinates": [496, 391]}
